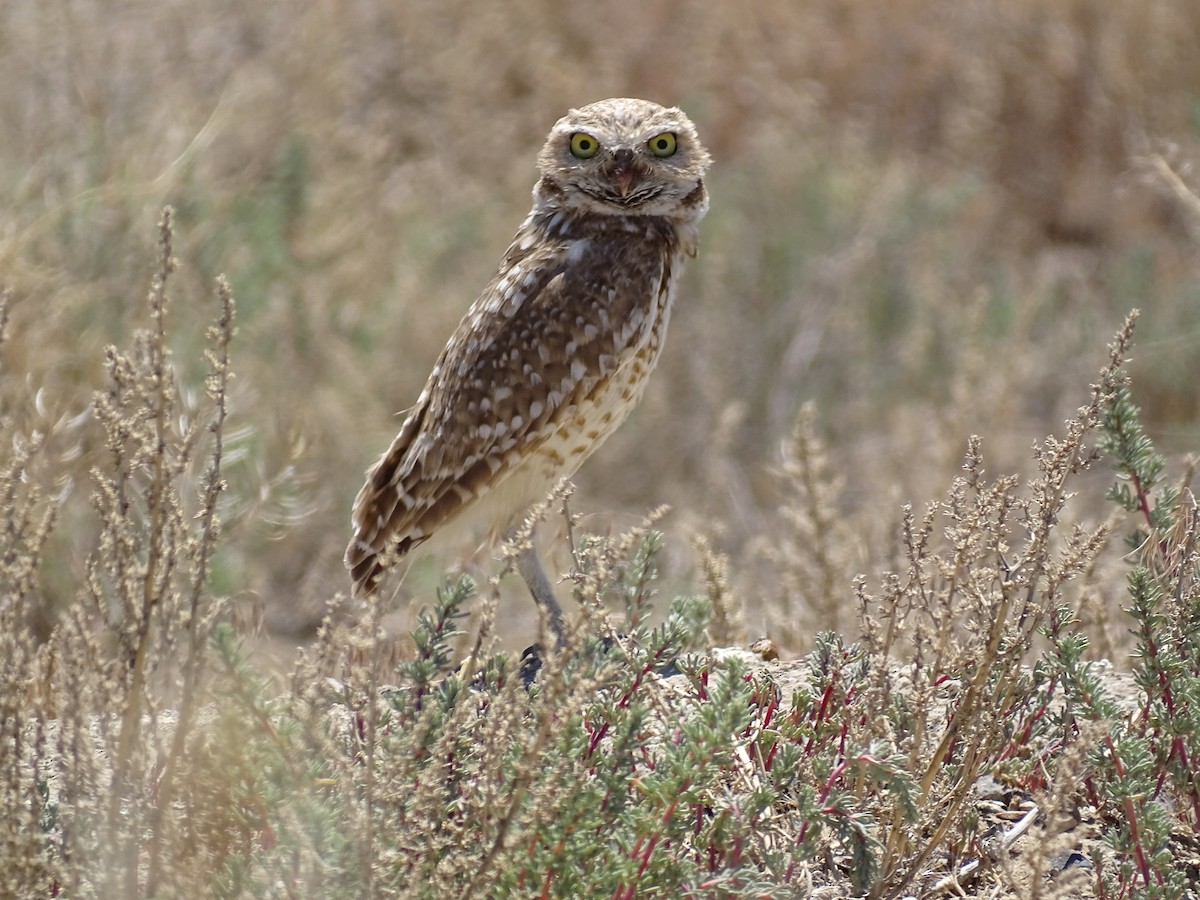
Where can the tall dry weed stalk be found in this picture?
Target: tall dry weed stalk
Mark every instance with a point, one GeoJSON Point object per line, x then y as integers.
{"type": "Point", "coordinates": [105, 711]}
{"type": "Point", "coordinates": [986, 574]}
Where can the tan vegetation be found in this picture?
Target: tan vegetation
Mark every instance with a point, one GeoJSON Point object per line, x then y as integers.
{"type": "Point", "coordinates": [928, 219]}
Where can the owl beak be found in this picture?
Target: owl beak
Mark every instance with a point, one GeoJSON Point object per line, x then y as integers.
{"type": "Point", "coordinates": [624, 172]}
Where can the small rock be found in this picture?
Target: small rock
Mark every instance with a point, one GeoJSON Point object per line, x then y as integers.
{"type": "Point", "coordinates": [1069, 860]}
{"type": "Point", "coordinates": [988, 788]}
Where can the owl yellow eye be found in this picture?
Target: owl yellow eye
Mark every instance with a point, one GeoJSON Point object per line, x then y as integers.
{"type": "Point", "coordinates": [663, 144]}
{"type": "Point", "coordinates": [583, 146]}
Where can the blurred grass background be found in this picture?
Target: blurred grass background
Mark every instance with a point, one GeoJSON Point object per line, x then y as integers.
{"type": "Point", "coordinates": [928, 216]}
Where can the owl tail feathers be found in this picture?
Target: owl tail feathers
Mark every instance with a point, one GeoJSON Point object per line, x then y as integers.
{"type": "Point", "coordinates": [368, 543]}
{"type": "Point", "coordinates": [366, 568]}
{"type": "Point", "coordinates": [375, 546]}
{"type": "Point", "coordinates": [368, 554]}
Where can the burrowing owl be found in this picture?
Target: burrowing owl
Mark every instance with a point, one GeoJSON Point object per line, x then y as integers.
{"type": "Point", "coordinates": [556, 351]}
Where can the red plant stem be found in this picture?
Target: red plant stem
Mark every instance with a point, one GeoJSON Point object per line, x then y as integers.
{"type": "Point", "coordinates": [832, 779]}
{"type": "Point", "coordinates": [643, 849]}
{"type": "Point", "coordinates": [1152, 656]}
{"type": "Point", "coordinates": [791, 869]}
{"type": "Point", "coordinates": [1179, 750]}
{"type": "Point", "coordinates": [818, 716]}
{"type": "Point", "coordinates": [647, 758]}
{"type": "Point", "coordinates": [770, 760]}
{"type": "Point", "coordinates": [637, 683]}
{"type": "Point", "coordinates": [1192, 782]}
{"type": "Point", "coordinates": [595, 739]}
{"type": "Point", "coordinates": [825, 698]}
{"type": "Point", "coordinates": [1143, 500]}
{"type": "Point", "coordinates": [1144, 506]}
{"type": "Point", "coordinates": [1138, 853]}
{"type": "Point", "coordinates": [1131, 815]}
{"type": "Point", "coordinates": [671, 807]}
{"type": "Point", "coordinates": [1161, 779]}
{"type": "Point", "coordinates": [1036, 716]}
{"type": "Point", "coordinates": [650, 845]}
{"type": "Point", "coordinates": [829, 783]}
{"type": "Point", "coordinates": [769, 712]}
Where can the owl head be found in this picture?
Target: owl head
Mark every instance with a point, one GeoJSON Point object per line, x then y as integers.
{"type": "Point", "coordinates": [626, 157]}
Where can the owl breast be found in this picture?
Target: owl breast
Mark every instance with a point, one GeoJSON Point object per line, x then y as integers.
{"type": "Point", "coordinates": [597, 361]}
{"type": "Point", "coordinates": [584, 425]}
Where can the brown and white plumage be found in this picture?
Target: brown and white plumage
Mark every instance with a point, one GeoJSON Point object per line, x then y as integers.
{"type": "Point", "coordinates": [557, 349]}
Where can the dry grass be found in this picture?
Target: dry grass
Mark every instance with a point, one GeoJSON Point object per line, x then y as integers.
{"type": "Point", "coordinates": [927, 219]}
{"type": "Point", "coordinates": [925, 215]}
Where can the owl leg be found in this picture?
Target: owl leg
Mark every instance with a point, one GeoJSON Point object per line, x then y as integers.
{"type": "Point", "coordinates": [543, 593]}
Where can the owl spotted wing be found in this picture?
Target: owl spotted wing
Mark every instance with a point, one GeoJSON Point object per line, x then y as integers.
{"type": "Point", "coordinates": [559, 320]}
